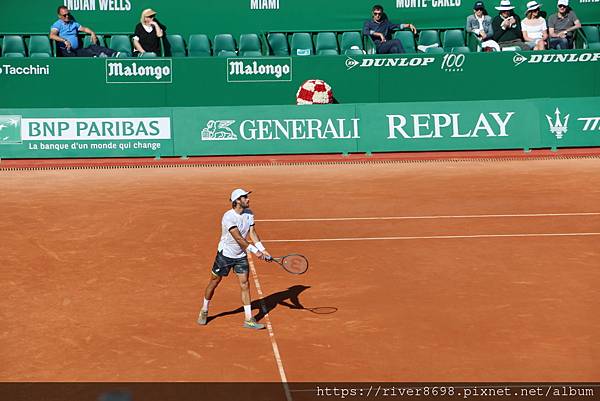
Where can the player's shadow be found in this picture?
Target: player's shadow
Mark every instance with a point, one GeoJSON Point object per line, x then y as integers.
{"type": "Point", "coordinates": [288, 298]}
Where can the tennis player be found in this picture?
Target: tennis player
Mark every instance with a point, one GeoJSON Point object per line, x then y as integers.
{"type": "Point", "coordinates": [236, 225]}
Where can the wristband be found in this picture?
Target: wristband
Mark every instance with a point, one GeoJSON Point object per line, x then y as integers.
{"type": "Point", "coordinates": [260, 246]}
{"type": "Point", "coordinates": [252, 249]}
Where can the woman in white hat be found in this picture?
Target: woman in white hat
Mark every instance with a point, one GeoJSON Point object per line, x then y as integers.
{"type": "Point", "coordinates": [535, 30]}
{"type": "Point", "coordinates": [148, 33]}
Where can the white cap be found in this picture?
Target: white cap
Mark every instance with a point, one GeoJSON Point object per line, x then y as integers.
{"type": "Point", "coordinates": [563, 3]}
{"type": "Point", "coordinates": [237, 193]}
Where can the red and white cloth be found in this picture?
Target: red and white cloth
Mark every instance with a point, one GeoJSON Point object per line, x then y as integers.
{"type": "Point", "coordinates": [314, 91]}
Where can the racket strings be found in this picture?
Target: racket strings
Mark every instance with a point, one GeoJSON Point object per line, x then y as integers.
{"type": "Point", "coordinates": [295, 263]}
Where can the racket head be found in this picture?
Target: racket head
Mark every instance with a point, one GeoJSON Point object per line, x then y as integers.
{"type": "Point", "coordinates": [294, 263]}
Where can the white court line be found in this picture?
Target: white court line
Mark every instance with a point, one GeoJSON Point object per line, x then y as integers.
{"type": "Point", "coordinates": [286, 388]}
{"type": "Point", "coordinates": [468, 216]}
{"type": "Point", "coordinates": [433, 237]}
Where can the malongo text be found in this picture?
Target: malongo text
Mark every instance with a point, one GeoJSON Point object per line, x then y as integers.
{"type": "Point", "coordinates": [117, 69]}
{"type": "Point", "coordinates": [253, 68]}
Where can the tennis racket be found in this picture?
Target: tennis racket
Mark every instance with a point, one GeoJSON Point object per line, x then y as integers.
{"type": "Point", "coordinates": [293, 263]}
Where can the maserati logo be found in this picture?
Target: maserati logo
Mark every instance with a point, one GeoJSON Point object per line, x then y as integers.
{"type": "Point", "coordinates": [218, 130]}
{"type": "Point", "coordinates": [558, 127]}
{"type": "Point", "coordinates": [519, 59]}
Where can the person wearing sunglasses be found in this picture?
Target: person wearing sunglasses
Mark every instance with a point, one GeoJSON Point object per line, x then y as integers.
{"type": "Point", "coordinates": [65, 31]}
{"type": "Point", "coordinates": [506, 26]}
{"type": "Point", "coordinates": [380, 29]}
{"type": "Point", "coordinates": [534, 27]}
{"type": "Point", "coordinates": [148, 33]}
{"type": "Point", "coordinates": [237, 229]}
{"type": "Point", "coordinates": [561, 26]}
{"type": "Point", "coordinates": [480, 25]}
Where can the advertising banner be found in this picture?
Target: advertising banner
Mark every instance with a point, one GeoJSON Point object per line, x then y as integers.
{"type": "Point", "coordinates": [81, 133]}
{"type": "Point", "coordinates": [264, 130]}
{"type": "Point", "coordinates": [450, 125]}
{"type": "Point", "coordinates": [570, 122]}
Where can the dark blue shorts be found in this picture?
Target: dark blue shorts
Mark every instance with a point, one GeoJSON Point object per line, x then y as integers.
{"type": "Point", "coordinates": [223, 264]}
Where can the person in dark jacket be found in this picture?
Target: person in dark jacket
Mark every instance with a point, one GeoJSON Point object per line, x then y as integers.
{"type": "Point", "coordinates": [380, 29]}
{"type": "Point", "coordinates": [507, 27]}
{"type": "Point", "coordinates": [148, 33]}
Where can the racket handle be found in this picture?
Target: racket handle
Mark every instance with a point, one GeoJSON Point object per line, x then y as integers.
{"type": "Point", "coordinates": [268, 258]}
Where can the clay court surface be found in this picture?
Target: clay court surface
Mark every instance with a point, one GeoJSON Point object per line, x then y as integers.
{"type": "Point", "coordinates": [434, 271]}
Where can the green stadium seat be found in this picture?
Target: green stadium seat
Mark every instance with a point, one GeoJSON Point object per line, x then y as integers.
{"type": "Point", "coordinates": [250, 45]}
{"type": "Point", "coordinates": [459, 49]}
{"type": "Point", "coordinates": [351, 43]}
{"type": "Point", "coordinates": [301, 44]}
{"type": "Point", "coordinates": [199, 45]}
{"type": "Point", "coordinates": [13, 46]}
{"type": "Point", "coordinates": [13, 55]}
{"type": "Point", "coordinates": [39, 46]}
{"type": "Point", "coordinates": [122, 44]}
{"type": "Point", "coordinates": [326, 44]}
{"type": "Point", "coordinates": [592, 36]}
{"type": "Point", "coordinates": [428, 38]}
{"type": "Point", "coordinates": [177, 45]}
{"type": "Point", "coordinates": [224, 45]}
{"type": "Point", "coordinates": [87, 40]}
{"type": "Point", "coordinates": [370, 47]}
{"type": "Point", "coordinates": [453, 38]}
{"type": "Point", "coordinates": [407, 39]}
{"type": "Point", "coordinates": [148, 55]}
{"type": "Point", "coordinates": [434, 50]}
{"type": "Point", "coordinates": [278, 44]}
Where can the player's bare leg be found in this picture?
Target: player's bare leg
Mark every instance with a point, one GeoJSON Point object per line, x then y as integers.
{"type": "Point", "coordinates": [249, 321]}
{"type": "Point", "coordinates": [208, 294]}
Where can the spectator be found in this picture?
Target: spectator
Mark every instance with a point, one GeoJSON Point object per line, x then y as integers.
{"type": "Point", "coordinates": [506, 26]}
{"type": "Point", "coordinates": [380, 29]}
{"type": "Point", "coordinates": [64, 32]}
{"type": "Point", "coordinates": [480, 24]}
{"type": "Point", "coordinates": [148, 33]}
{"type": "Point", "coordinates": [561, 26]}
{"type": "Point", "coordinates": [534, 27]}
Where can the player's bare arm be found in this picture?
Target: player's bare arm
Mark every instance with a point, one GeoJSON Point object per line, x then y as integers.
{"type": "Point", "coordinates": [235, 233]}
{"type": "Point", "coordinates": [256, 239]}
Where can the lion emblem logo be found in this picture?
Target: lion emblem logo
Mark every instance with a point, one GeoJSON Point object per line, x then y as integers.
{"type": "Point", "coordinates": [218, 130]}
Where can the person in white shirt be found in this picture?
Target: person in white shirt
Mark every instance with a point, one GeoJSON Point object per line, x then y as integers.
{"type": "Point", "coordinates": [236, 225]}
{"type": "Point", "coordinates": [535, 30]}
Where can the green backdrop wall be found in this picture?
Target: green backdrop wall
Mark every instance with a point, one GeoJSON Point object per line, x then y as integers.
{"type": "Point", "coordinates": [84, 83]}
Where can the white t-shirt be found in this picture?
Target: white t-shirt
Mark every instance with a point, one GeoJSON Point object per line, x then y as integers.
{"type": "Point", "coordinates": [480, 29]}
{"type": "Point", "coordinates": [228, 244]}
{"type": "Point", "coordinates": [534, 27]}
